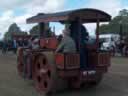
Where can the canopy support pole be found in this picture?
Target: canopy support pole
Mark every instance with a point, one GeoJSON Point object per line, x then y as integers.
{"type": "Point", "coordinates": [97, 33]}
{"type": "Point", "coordinates": [41, 29]}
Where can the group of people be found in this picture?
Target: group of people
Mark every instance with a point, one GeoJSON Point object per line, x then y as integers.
{"type": "Point", "coordinates": [121, 46]}
{"type": "Point", "coordinates": [14, 44]}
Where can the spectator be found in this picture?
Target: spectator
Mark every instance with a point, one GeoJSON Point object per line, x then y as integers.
{"type": "Point", "coordinates": [4, 47]}
{"type": "Point", "coordinates": [14, 46]}
{"type": "Point", "coordinates": [83, 48]}
{"type": "Point", "coordinates": [25, 42]}
{"type": "Point", "coordinates": [20, 42]}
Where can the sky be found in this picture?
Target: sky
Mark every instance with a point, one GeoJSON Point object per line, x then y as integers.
{"type": "Point", "coordinates": [19, 10]}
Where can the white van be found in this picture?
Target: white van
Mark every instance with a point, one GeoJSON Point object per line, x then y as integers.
{"type": "Point", "coordinates": [108, 41]}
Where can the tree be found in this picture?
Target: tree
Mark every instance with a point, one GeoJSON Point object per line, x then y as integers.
{"type": "Point", "coordinates": [118, 22]}
{"type": "Point", "coordinates": [13, 30]}
{"type": "Point", "coordinates": [7, 36]}
{"type": "Point", "coordinates": [123, 12]}
{"type": "Point", "coordinates": [35, 30]}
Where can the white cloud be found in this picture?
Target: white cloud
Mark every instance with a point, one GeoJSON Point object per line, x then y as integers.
{"type": "Point", "coordinates": [39, 6]}
{"type": "Point", "coordinates": [5, 20]}
{"type": "Point", "coordinates": [46, 6]}
{"type": "Point", "coordinates": [32, 7]}
{"type": "Point", "coordinates": [22, 19]}
{"type": "Point", "coordinates": [91, 28]}
{"type": "Point", "coordinates": [110, 6]}
{"type": "Point", "coordinates": [7, 4]}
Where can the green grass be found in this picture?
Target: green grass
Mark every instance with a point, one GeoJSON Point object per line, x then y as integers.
{"type": "Point", "coordinates": [119, 60]}
{"type": "Point", "coordinates": [12, 85]}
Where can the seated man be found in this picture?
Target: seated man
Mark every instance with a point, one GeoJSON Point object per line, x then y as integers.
{"type": "Point", "coordinates": [67, 45]}
{"type": "Point", "coordinates": [83, 49]}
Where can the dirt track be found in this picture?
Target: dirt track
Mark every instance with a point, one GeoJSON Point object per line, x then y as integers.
{"type": "Point", "coordinates": [115, 83]}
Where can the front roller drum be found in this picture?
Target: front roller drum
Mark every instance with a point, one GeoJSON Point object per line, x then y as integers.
{"type": "Point", "coordinates": [28, 67]}
{"type": "Point", "coordinates": [46, 77]}
{"type": "Point", "coordinates": [20, 68]}
{"type": "Point", "coordinates": [20, 65]}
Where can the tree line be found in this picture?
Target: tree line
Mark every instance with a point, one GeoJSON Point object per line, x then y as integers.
{"type": "Point", "coordinates": [118, 25]}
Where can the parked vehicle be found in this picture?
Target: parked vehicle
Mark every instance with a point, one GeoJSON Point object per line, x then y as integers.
{"type": "Point", "coordinates": [108, 42]}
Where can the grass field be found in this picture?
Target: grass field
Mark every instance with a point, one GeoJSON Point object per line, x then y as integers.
{"type": "Point", "coordinates": [115, 82]}
{"type": "Point", "coordinates": [120, 60]}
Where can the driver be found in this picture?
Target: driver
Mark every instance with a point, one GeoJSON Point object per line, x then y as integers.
{"type": "Point", "coordinates": [67, 45]}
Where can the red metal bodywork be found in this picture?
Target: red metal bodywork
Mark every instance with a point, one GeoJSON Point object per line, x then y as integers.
{"type": "Point", "coordinates": [66, 65]}
{"type": "Point", "coordinates": [49, 43]}
{"type": "Point", "coordinates": [16, 37]}
{"type": "Point", "coordinates": [69, 64]}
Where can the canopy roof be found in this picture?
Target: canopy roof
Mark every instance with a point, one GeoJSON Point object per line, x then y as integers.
{"type": "Point", "coordinates": [86, 15]}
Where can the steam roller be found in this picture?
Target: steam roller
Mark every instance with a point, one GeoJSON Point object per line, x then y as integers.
{"type": "Point", "coordinates": [46, 76]}
{"type": "Point", "coordinates": [53, 71]}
